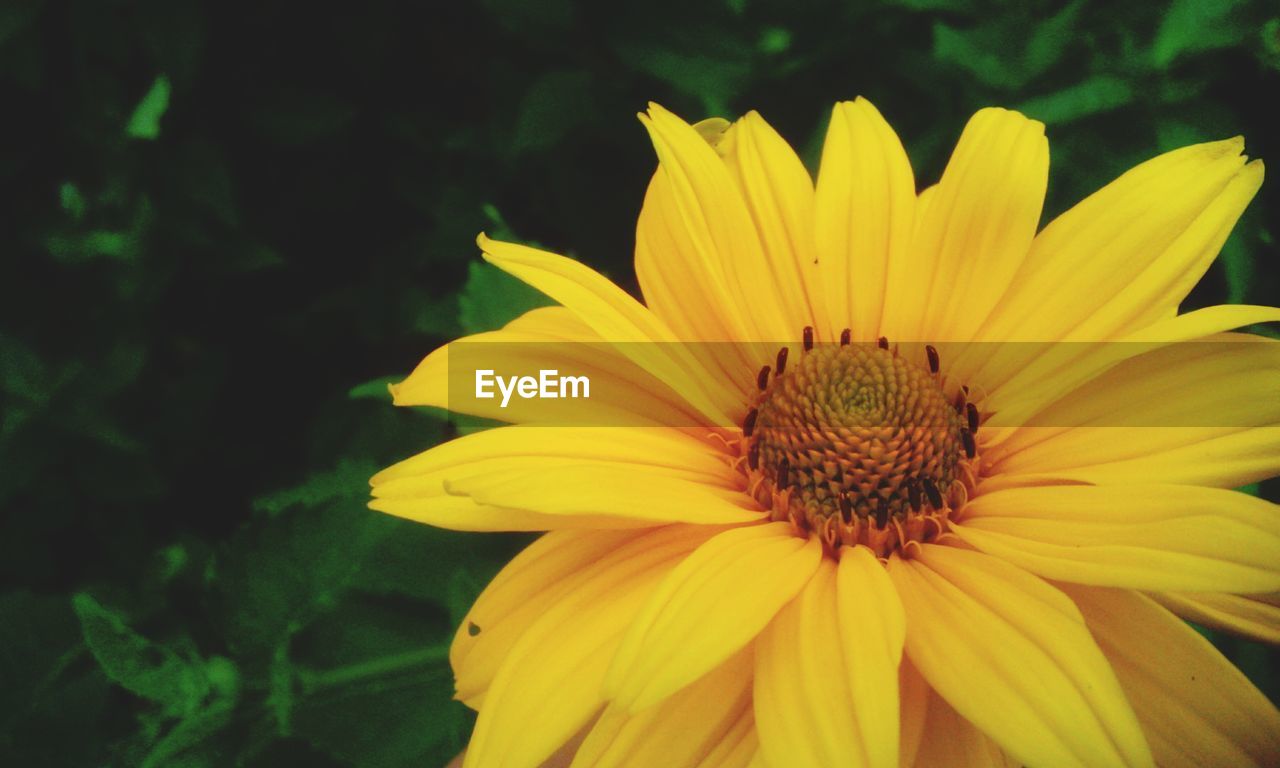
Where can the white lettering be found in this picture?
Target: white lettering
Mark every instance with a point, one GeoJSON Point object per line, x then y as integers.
{"type": "Point", "coordinates": [484, 384]}
{"type": "Point", "coordinates": [574, 381]}
{"type": "Point", "coordinates": [549, 385]}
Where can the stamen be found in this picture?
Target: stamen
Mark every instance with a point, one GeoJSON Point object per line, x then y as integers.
{"type": "Point", "coordinates": [845, 337]}
{"type": "Point", "coordinates": [846, 509]}
{"type": "Point", "coordinates": [753, 456]}
{"type": "Point", "coordinates": [932, 354]}
{"type": "Point", "coordinates": [971, 413]}
{"type": "Point", "coordinates": [883, 342]}
{"type": "Point", "coordinates": [881, 512]}
{"type": "Point", "coordinates": [784, 469]}
{"type": "Point", "coordinates": [749, 423]}
{"type": "Point", "coordinates": [913, 494]}
{"type": "Point", "coordinates": [781, 361]}
{"type": "Point", "coordinates": [762, 378]}
{"type": "Point", "coordinates": [931, 490]}
{"type": "Point", "coordinates": [970, 447]}
{"type": "Point", "coordinates": [808, 338]}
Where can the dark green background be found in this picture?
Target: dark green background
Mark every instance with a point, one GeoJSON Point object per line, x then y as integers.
{"type": "Point", "coordinates": [226, 226]}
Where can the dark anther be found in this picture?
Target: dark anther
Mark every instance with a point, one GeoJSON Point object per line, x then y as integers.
{"type": "Point", "coordinates": [913, 494]}
{"type": "Point", "coordinates": [971, 413]}
{"type": "Point", "coordinates": [782, 361]}
{"type": "Point", "coordinates": [846, 509]}
{"type": "Point", "coordinates": [762, 378]}
{"type": "Point", "coordinates": [883, 343]}
{"type": "Point", "coordinates": [965, 389]}
{"type": "Point", "coordinates": [882, 513]}
{"type": "Point", "coordinates": [845, 337]}
{"type": "Point", "coordinates": [931, 490]}
{"type": "Point", "coordinates": [970, 447]}
{"type": "Point", "coordinates": [753, 456]}
{"type": "Point", "coordinates": [749, 423]}
{"type": "Point", "coordinates": [784, 469]}
{"type": "Point", "coordinates": [932, 353]}
{"type": "Point", "coordinates": [808, 338]}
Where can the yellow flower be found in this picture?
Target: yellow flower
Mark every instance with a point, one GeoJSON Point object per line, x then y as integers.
{"type": "Point", "coordinates": [903, 541]}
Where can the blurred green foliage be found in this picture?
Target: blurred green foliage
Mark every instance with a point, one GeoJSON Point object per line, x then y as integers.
{"type": "Point", "coordinates": [227, 228]}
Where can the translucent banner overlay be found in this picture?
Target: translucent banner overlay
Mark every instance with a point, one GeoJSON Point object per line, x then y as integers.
{"type": "Point", "coordinates": [1232, 381]}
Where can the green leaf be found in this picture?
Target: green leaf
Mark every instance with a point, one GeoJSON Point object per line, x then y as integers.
{"type": "Point", "coordinates": [1050, 40]}
{"type": "Point", "coordinates": [191, 743]}
{"type": "Point", "coordinates": [137, 664]}
{"type": "Point", "coordinates": [551, 108]}
{"type": "Point", "coordinates": [1237, 266]}
{"type": "Point", "coordinates": [491, 298]}
{"type": "Point", "coordinates": [375, 687]}
{"type": "Point", "coordinates": [374, 390]}
{"type": "Point", "coordinates": [145, 121]}
{"type": "Point", "coordinates": [52, 696]}
{"type": "Point", "coordinates": [1094, 96]}
{"type": "Point", "coordinates": [348, 480]}
{"type": "Point", "coordinates": [1197, 25]}
{"type": "Point", "coordinates": [977, 51]}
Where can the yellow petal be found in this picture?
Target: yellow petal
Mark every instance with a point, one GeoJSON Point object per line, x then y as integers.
{"type": "Point", "coordinates": [620, 319]}
{"type": "Point", "coordinates": [1127, 255]}
{"type": "Point", "coordinates": [872, 628]}
{"type": "Point", "coordinates": [685, 730]}
{"type": "Point", "coordinates": [863, 213]}
{"type": "Point", "coordinates": [563, 653]}
{"type": "Point", "coordinates": [914, 695]}
{"type": "Point", "coordinates": [974, 234]}
{"type": "Point", "coordinates": [632, 476]}
{"type": "Point", "coordinates": [715, 238]}
{"type": "Point", "coordinates": [608, 491]}
{"type": "Point", "coordinates": [1158, 537]}
{"type": "Point", "coordinates": [826, 692]}
{"type": "Point", "coordinates": [953, 742]}
{"type": "Point", "coordinates": [1021, 377]}
{"type": "Point", "coordinates": [547, 338]}
{"type": "Point", "coordinates": [1196, 708]}
{"type": "Point", "coordinates": [713, 604]}
{"type": "Point", "coordinates": [1255, 616]}
{"type": "Point", "coordinates": [1011, 654]}
{"type": "Point", "coordinates": [779, 194]}
{"type": "Point", "coordinates": [522, 591]}
{"type": "Point", "coordinates": [1196, 413]}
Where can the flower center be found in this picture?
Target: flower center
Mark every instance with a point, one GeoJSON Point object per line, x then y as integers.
{"type": "Point", "coordinates": [860, 445]}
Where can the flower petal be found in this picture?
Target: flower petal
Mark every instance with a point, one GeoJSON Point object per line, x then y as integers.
{"type": "Point", "coordinates": [717, 255]}
{"type": "Point", "coordinates": [620, 319]}
{"type": "Point", "coordinates": [1196, 413]}
{"type": "Point", "coordinates": [954, 742]}
{"type": "Point", "coordinates": [973, 235]}
{"type": "Point", "coordinates": [779, 194]}
{"type": "Point", "coordinates": [872, 628]}
{"type": "Point", "coordinates": [510, 478]}
{"type": "Point", "coordinates": [1012, 655]}
{"type": "Point", "coordinates": [550, 338]}
{"type": "Point", "coordinates": [915, 695]}
{"type": "Point", "coordinates": [1127, 255]}
{"type": "Point", "coordinates": [564, 652]}
{"type": "Point", "coordinates": [863, 213]}
{"type": "Point", "coordinates": [522, 591]}
{"type": "Point", "coordinates": [1158, 537]}
{"type": "Point", "coordinates": [818, 700]}
{"type": "Point", "coordinates": [710, 606]}
{"type": "Point", "coordinates": [686, 730]}
{"type": "Point", "coordinates": [1255, 616]}
{"type": "Point", "coordinates": [1195, 707]}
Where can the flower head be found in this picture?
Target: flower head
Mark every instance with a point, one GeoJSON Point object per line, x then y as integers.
{"type": "Point", "coordinates": [934, 491]}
